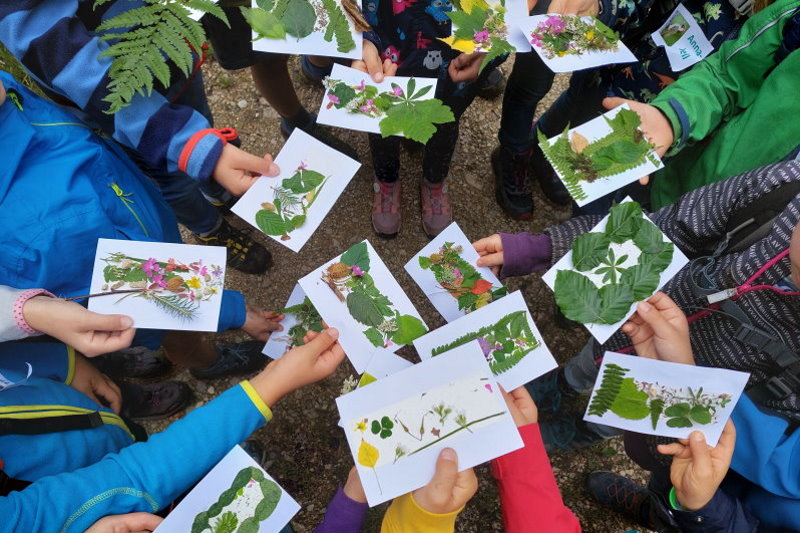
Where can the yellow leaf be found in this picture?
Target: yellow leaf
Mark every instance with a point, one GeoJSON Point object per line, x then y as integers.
{"type": "Point", "coordinates": [368, 454]}
{"type": "Point", "coordinates": [366, 379]}
{"type": "Point", "coordinates": [468, 5]}
{"type": "Point", "coordinates": [462, 45]}
{"type": "Point", "coordinates": [578, 142]}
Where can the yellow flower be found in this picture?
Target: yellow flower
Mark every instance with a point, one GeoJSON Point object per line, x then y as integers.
{"type": "Point", "coordinates": [590, 34]}
{"type": "Point", "coordinates": [561, 54]}
{"type": "Point", "coordinates": [361, 426]}
{"type": "Point", "coordinates": [194, 282]}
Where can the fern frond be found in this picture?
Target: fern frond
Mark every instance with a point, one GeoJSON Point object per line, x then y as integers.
{"type": "Point", "coordinates": [175, 306]}
{"type": "Point", "coordinates": [338, 27]}
{"type": "Point", "coordinates": [609, 389]}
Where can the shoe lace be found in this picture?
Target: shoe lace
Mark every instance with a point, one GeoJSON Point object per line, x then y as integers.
{"type": "Point", "coordinates": [386, 190]}
{"type": "Point", "coordinates": [435, 198]}
{"type": "Point", "coordinates": [625, 494]}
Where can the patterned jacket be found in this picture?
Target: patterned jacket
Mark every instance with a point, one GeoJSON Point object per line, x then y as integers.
{"type": "Point", "coordinates": [694, 223]}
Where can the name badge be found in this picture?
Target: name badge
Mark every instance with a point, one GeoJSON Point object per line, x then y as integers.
{"type": "Point", "coordinates": [683, 40]}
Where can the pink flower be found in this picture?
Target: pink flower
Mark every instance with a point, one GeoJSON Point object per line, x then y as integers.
{"type": "Point", "coordinates": [457, 273]}
{"type": "Point", "coordinates": [203, 271]}
{"type": "Point", "coordinates": [150, 266]}
{"type": "Point", "coordinates": [398, 92]}
{"type": "Point", "coordinates": [556, 24]}
{"type": "Point", "coordinates": [356, 270]}
{"type": "Point", "coordinates": [158, 279]}
{"type": "Point", "coordinates": [302, 166]}
{"type": "Point", "coordinates": [481, 36]}
{"type": "Point", "coordinates": [334, 100]}
{"type": "Point", "coordinates": [535, 40]}
{"type": "Point", "coordinates": [362, 86]}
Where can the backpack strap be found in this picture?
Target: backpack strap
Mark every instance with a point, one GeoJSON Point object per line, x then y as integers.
{"type": "Point", "coordinates": [49, 424]}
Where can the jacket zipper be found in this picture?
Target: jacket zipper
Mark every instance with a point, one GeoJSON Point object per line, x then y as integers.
{"type": "Point", "coordinates": [128, 203]}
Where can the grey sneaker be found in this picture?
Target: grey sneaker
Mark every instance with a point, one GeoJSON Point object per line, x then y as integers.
{"type": "Point", "coordinates": [386, 207]}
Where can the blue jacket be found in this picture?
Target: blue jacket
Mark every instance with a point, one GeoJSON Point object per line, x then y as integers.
{"type": "Point", "coordinates": [57, 44]}
{"type": "Point", "coordinates": [62, 187]}
{"type": "Point", "coordinates": [145, 476]}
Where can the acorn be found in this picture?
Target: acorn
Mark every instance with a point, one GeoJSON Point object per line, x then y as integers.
{"type": "Point", "coordinates": [338, 271]}
{"type": "Point", "coordinates": [268, 206]}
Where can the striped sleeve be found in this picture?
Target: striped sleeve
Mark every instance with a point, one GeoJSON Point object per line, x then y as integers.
{"type": "Point", "coordinates": [54, 45]}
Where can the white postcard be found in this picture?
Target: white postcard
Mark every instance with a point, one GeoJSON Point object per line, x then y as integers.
{"type": "Point", "coordinates": [300, 317]}
{"type": "Point", "coordinates": [291, 206]}
{"type": "Point", "coordinates": [397, 426]}
{"type": "Point", "coordinates": [507, 336]}
{"type": "Point", "coordinates": [683, 40]}
{"type": "Point", "coordinates": [357, 294]}
{"type": "Point", "coordinates": [236, 495]}
{"type": "Point", "coordinates": [623, 260]}
{"type": "Point", "coordinates": [159, 285]}
{"type": "Point", "coordinates": [662, 398]}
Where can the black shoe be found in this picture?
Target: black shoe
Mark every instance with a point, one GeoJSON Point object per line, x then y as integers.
{"type": "Point", "coordinates": [550, 390]}
{"type": "Point", "coordinates": [551, 186]}
{"type": "Point", "coordinates": [320, 134]}
{"type": "Point", "coordinates": [234, 359]}
{"type": "Point", "coordinates": [632, 501]}
{"type": "Point", "coordinates": [512, 188]}
{"type": "Point", "coordinates": [492, 85]}
{"type": "Point", "coordinates": [154, 401]}
{"type": "Point", "coordinates": [570, 432]}
{"type": "Point", "coordinates": [135, 362]}
{"type": "Point", "coordinates": [255, 450]}
{"type": "Point", "coordinates": [244, 254]}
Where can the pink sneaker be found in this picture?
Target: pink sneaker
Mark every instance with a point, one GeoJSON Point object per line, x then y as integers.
{"type": "Point", "coordinates": [436, 211]}
{"type": "Point", "coordinates": [386, 207]}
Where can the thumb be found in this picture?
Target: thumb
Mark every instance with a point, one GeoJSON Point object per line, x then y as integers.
{"type": "Point", "coordinates": [701, 455]}
{"type": "Point", "coordinates": [446, 472]}
{"type": "Point", "coordinates": [323, 341]}
{"type": "Point", "coordinates": [652, 316]}
{"type": "Point", "coordinates": [611, 103]}
{"type": "Point", "coordinates": [98, 322]}
{"type": "Point", "coordinates": [143, 521]}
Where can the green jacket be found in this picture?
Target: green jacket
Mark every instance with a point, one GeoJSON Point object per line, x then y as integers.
{"type": "Point", "coordinates": [736, 110]}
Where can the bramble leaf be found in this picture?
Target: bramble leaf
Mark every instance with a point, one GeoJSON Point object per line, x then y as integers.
{"type": "Point", "coordinates": [375, 337]}
{"type": "Point", "coordinates": [364, 309]}
{"type": "Point", "coordinates": [303, 181]}
{"type": "Point", "coordinates": [424, 262]}
{"type": "Point", "coordinates": [357, 255]}
{"type": "Point", "coordinates": [630, 403]}
{"type": "Point", "coordinates": [408, 328]}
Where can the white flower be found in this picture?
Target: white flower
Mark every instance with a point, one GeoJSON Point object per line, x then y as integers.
{"type": "Point", "coordinates": [349, 384]}
{"type": "Point", "coordinates": [387, 326]}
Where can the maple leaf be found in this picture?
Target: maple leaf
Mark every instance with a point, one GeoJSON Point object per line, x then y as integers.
{"type": "Point", "coordinates": [481, 286]}
{"type": "Point", "coordinates": [416, 120]}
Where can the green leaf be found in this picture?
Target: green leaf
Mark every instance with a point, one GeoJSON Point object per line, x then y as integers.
{"type": "Point", "coordinates": [264, 23]}
{"type": "Point", "coordinates": [226, 523]}
{"type": "Point", "coordinates": [616, 302]}
{"type": "Point", "coordinates": [375, 337]}
{"type": "Point", "coordinates": [680, 422]}
{"type": "Point", "coordinates": [297, 221]}
{"type": "Point", "coordinates": [499, 47]}
{"type": "Point", "coordinates": [468, 23]}
{"type": "Point", "coordinates": [271, 223]}
{"type": "Point", "coordinates": [266, 5]}
{"type": "Point", "coordinates": [412, 85]}
{"type": "Point", "coordinates": [625, 119]}
{"type": "Point", "coordinates": [642, 280]}
{"type": "Point", "coordinates": [700, 414]}
{"type": "Point", "coordinates": [416, 120]}
{"type": "Point", "coordinates": [658, 262]}
{"type": "Point", "coordinates": [656, 408]}
{"type": "Point", "coordinates": [375, 427]}
{"type": "Point", "coordinates": [422, 92]}
{"type": "Point", "coordinates": [624, 221]}
{"type": "Point", "coordinates": [363, 309]}
{"type": "Point", "coordinates": [303, 181]}
{"type": "Point", "coordinates": [679, 409]}
{"type": "Point", "coordinates": [467, 300]}
{"type": "Point", "coordinates": [299, 18]}
{"type": "Point", "coordinates": [357, 255]}
{"type": "Point", "coordinates": [630, 403]}
{"type": "Point", "coordinates": [621, 152]}
{"type": "Point", "coordinates": [577, 297]}
{"type": "Point", "coordinates": [649, 239]}
{"type": "Point", "coordinates": [424, 262]}
{"type": "Point", "coordinates": [408, 328]}
{"type": "Point", "coordinates": [589, 250]}
{"type": "Point", "coordinates": [338, 27]}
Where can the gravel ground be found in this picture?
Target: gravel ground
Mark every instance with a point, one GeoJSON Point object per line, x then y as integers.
{"type": "Point", "coordinates": [307, 452]}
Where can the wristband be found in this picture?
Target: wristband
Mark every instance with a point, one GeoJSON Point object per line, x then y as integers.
{"type": "Point", "coordinates": [673, 500]}
{"type": "Point", "coordinates": [19, 304]}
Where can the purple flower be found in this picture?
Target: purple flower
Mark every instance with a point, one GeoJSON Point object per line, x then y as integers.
{"type": "Point", "coordinates": [356, 270]}
{"type": "Point", "coordinates": [302, 166]}
{"type": "Point", "coordinates": [217, 271]}
{"type": "Point", "coordinates": [484, 346]}
{"type": "Point", "coordinates": [150, 266]}
{"type": "Point", "coordinates": [362, 86]}
{"type": "Point", "coordinates": [457, 273]}
{"type": "Point", "coordinates": [535, 40]}
{"type": "Point", "coordinates": [398, 92]}
{"type": "Point", "coordinates": [158, 279]}
{"type": "Point", "coordinates": [334, 100]}
{"type": "Point", "coordinates": [555, 24]}
{"type": "Point", "coordinates": [481, 36]}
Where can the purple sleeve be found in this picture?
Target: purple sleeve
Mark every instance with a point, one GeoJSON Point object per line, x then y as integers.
{"type": "Point", "coordinates": [343, 515]}
{"type": "Point", "coordinates": [524, 253]}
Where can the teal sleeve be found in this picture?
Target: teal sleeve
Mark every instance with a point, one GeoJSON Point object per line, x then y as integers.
{"type": "Point", "coordinates": [50, 360]}
{"type": "Point", "coordinates": [145, 476]}
{"type": "Point", "coordinates": [766, 453]}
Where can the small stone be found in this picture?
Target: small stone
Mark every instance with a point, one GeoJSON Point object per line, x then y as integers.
{"type": "Point", "coordinates": [262, 101]}
{"type": "Point", "coordinates": [242, 104]}
{"type": "Point", "coordinates": [210, 390]}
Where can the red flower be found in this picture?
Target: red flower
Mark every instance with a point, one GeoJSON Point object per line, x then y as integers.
{"type": "Point", "coordinates": [481, 286]}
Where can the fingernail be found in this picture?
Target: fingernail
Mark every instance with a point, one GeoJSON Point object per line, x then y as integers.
{"type": "Point", "coordinates": [274, 169]}
{"type": "Point", "coordinates": [126, 322]}
{"type": "Point", "coordinates": [644, 307]}
{"type": "Point", "coordinates": [333, 332]}
{"type": "Point", "coordinates": [449, 454]}
{"type": "Point", "coordinates": [696, 436]}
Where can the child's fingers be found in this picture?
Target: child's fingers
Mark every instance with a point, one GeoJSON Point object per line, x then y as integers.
{"type": "Point", "coordinates": [491, 260]}
{"type": "Point", "coordinates": [322, 341]}
{"type": "Point", "coordinates": [701, 455]}
{"type": "Point", "coordinates": [727, 440]}
{"type": "Point", "coordinates": [674, 448]}
{"type": "Point", "coordinates": [611, 103]}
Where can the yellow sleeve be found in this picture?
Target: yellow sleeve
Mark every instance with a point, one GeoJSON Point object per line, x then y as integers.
{"type": "Point", "coordinates": [406, 516]}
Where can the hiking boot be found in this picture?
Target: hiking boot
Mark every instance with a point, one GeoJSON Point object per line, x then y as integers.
{"type": "Point", "coordinates": [551, 186]}
{"type": "Point", "coordinates": [135, 362]}
{"type": "Point", "coordinates": [320, 134]}
{"type": "Point", "coordinates": [549, 390]}
{"type": "Point", "coordinates": [386, 207]}
{"type": "Point", "coordinates": [632, 501]}
{"type": "Point", "coordinates": [436, 211]}
{"type": "Point", "coordinates": [154, 401]}
{"type": "Point", "coordinates": [512, 188]}
{"type": "Point", "coordinates": [569, 432]}
{"type": "Point", "coordinates": [244, 254]}
{"type": "Point", "coordinates": [234, 359]}
{"type": "Point", "coordinates": [492, 85]}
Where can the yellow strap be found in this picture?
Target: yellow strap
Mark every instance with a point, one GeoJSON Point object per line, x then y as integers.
{"type": "Point", "coordinates": [27, 412]}
{"type": "Point", "coordinates": [256, 399]}
{"type": "Point", "coordinates": [70, 365]}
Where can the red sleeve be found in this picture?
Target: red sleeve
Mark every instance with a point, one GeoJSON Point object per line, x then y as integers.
{"type": "Point", "coordinates": [528, 490]}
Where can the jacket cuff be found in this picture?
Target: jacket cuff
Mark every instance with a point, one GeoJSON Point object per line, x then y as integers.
{"type": "Point", "coordinates": [405, 510]}
{"type": "Point", "coordinates": [678, 119]}
{"type": "Point", "coordinates": [715, 516]}
{"type": "Point", "coordinates": [256, 399]}
{"type": "Point", "coordinates": [19, 304]}
{"type": "Point", "coordinates": [343, 515]}
{"type": "Point", "coordinates": [524, 253]}
{"type": "Point", "coordinates": [232, 312]}
{"type": "Point", "coordinates": [203, 150]}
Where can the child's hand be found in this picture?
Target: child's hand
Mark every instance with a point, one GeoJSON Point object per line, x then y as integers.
{"type": "Point", "coordinates": [237, 170]}
{"type": "Point", "coordinates": [353, 488]}
{"type": "Point", "coordinates": [659, 330]}
{"type": "Point", "coordinates": [89, 333]}
{"type": "Point", "coordinates": [372, 63]}
{"type": "Point", "coordinates": [259, 323]}
{"type": "Point", "coordinates": [95, 384]}
{"type": "Point", "coordinates": [582, 8]}
{"type": "Point", "coordinates": [449, 490]}
{"type": "Point", "coordinates": [794, 255]}
{"type": "Point", "coordinates": [490, 250]}
{"type": "Point", "coordinates": [521, 406]}
{"type": "Point", "coordinates": [2, 93]}
{"type": "Point", "coordinates": [655, 125]}
{"type": "Point", "coordinates": [126, 523]}
{"type": "Point", "coordinates": [300, 366]}
{"type": "Point", "coordinates": [465, 67]}
{"type": "Point", "coordinates": [697, 469]}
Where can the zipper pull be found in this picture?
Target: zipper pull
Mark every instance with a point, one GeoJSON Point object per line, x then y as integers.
{"type": "Point", "coordinates": [721, 295]}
